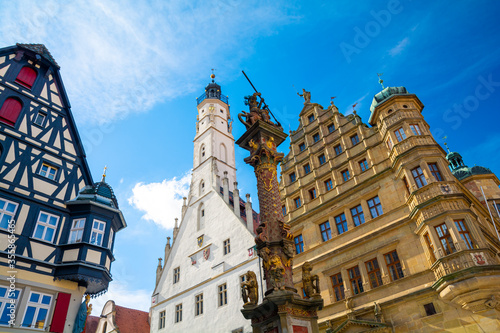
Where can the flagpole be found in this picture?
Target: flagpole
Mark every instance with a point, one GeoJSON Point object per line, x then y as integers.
{"type": "Point", "coordinates": [489, 210]}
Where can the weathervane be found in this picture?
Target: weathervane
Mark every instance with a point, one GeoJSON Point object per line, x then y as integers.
{"type": "Point", "coordinates": [104, 174]}
{"type": "Point", "coordinates": [380, 79]}
{"type": "Point", "coordinates": [331, 100]}
{"type": "Point", "coordinates": [444, 138]}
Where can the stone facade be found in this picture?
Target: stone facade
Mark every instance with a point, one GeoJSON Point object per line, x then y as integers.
{"type": "Point", "coordinates": [198, 287]}
{"type": "Point", "coordinates": [398, 241]}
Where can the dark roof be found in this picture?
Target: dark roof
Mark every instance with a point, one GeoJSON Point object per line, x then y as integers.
{"type": "Point", "coordinates": [91, 324]}
{"type": "Point", "coordinates": [131, 321]}
{"type": "Point", "coordinates": [99, 192]}
{"type": "Point", "coordinates": [41, 50]}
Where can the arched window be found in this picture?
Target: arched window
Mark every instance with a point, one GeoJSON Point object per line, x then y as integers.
{"type": "Point", "coordinates": [201, 217]}
{"type": "Point", "coordinates": [223, 153]}
{"type": "Point", "coordinates": [26, 77]}
{"type": "Point", "coordinates": [10, 111]}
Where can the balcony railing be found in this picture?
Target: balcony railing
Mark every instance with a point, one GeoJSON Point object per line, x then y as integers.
{"type": "Point", "coordinates": [395, 117]}
{"type": "Point", "coordinates": [430, 191]}
{"type": "Point", "coordinates": [409, 143]}
{"type": "Point", "coordinates": [218, 96]}
{"type": "Point", "coordinates": [461, 260]}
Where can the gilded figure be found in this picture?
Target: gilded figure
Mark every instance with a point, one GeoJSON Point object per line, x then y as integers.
{"type": "Point", "coordinates": [310, 282]}
{"type": "Point", "coordinates": [250, 289]}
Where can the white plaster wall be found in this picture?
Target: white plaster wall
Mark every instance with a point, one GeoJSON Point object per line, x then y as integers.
{"type": "Point", "coordinates": [214, 318]}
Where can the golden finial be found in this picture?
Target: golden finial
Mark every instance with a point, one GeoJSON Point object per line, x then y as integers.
{"type": "Point", "coordinates": [213, 75]}
{"type": "Point", "coordinates": [380, 79]}
{"type": "Point", "coordinates": [446, 145]}
{"type": "Point", "coordinates": [104, 174]}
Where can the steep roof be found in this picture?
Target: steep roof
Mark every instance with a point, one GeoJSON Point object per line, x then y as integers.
{"type": "Point", "coordinates": [41, 50]}
{"type": "Point", "coordinates": [91, 324]}
{"type": "Point", "coordinates": [131, 321]}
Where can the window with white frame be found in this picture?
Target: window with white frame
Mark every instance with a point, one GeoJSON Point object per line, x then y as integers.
{"type": "Point", "coordinates": [46, 227]}
{"type": "Point", "coordinates": [97, 232]}
{"type": "Point", "coordinates": [7, 211]}
{"type": "Point", "coordinates": [76, 233]}
{"type": "Point", "coordinates": [37, 311]}
{"type": "Point", "coordinates": [6, 297]}
{"type": "Point", "coordinates": [48, 171]}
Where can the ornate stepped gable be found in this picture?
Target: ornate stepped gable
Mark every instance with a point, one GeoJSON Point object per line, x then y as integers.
{"type": "Point", "coordinates": [377, 208]}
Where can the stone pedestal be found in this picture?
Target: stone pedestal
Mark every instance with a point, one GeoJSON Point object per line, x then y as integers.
{"type": "Point", "coordinates": [284, 312]}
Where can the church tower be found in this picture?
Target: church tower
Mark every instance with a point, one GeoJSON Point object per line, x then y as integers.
{"type": "Point", "coordinates": [213, 143]}
{"type": "Point", "coordinates": [213, 240]}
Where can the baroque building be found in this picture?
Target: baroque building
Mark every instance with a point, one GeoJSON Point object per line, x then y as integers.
{"type": "Point", "coordinates": [402, 235]}
{"type": "Point", "coordinates": [56, 225]}
{"type": "Point", "coordinates": [198, 287]}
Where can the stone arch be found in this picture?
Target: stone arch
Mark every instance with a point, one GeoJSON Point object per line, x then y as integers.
{"type": "Point", "coordinates": [201, 217]}
{"type": "Point", "coordinates": [223, 153]}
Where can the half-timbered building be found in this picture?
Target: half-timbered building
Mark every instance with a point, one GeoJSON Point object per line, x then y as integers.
{"type": "Point", "coordinates": [56, 225]}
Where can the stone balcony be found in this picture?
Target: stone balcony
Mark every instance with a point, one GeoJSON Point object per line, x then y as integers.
{"type": "Point", "coordinates": [409, 143]}
{"type": "Point", "coordinates": [397, 116]}
{"type": "Point", "coordinates": [468, 278]}
{"type": "Point", "coordinates": [429, 192]}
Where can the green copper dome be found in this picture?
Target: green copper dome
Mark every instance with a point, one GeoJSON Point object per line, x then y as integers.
{"type": "Point", "coordinates": [385, 94]}
{"type": "Point", "coordinates": [460, 170]}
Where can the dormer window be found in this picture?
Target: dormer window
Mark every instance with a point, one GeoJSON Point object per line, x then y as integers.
{"type": "Point", "coordinates": [310, 118]}
{"type": "Point", "coordinates": [26, 77]}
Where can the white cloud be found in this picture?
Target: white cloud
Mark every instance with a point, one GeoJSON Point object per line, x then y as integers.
{"type": "Point", "coordinates": [119, 57]}
{"type": "Point", "coordinates": [161, 202]}
{"type": "Point", "coordinates": [123, 295]}
{"type": "Point", "coordinates": [400, 47]}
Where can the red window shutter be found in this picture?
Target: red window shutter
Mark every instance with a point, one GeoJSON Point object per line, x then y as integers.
{"type": "Point", "coordinates": [26, 77]}
{"type": "Point", "coordinates": [10, 110]}
{"type": "Point", "coordinates": [60, 313]}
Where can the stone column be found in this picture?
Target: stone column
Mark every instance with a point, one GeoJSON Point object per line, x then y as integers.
{"type": "Point", "coordinates": [236, 199]}
{"type": "Point", "coordinates": [225, 187]}
{"type": "Point", "coordinates": [249, 213]}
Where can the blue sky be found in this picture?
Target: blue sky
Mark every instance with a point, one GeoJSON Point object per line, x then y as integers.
{"type": "Point", "coordinates": [132, 71]}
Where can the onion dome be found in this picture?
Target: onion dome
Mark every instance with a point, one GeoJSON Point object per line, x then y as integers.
{"type": "Point", "coordinates": [460, 170]}
{"type": "Point", "coordinates": [99, 192]}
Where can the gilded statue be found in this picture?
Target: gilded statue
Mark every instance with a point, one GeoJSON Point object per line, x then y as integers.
{"type": "Point", "coordinates": [277, 272]}
{"type": "Point", "coordinates": [310, 282]}
{"type": "Point", "coordinates": [258, 111]}
{"type": "Point", "coordinates": [306, 95]}
{"type": "Point", "coordinates": [81, 317]}
{"type": "Point", "coordinates": [250, 289]}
